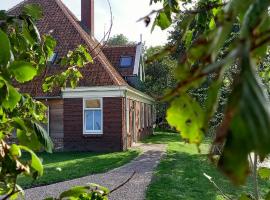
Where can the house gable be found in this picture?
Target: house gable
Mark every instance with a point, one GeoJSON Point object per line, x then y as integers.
{"type": "Point", "coordinates": [64, 27]}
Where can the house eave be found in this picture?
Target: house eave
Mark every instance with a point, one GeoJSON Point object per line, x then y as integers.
{"type": "Point", "coordinates": [107, 91]}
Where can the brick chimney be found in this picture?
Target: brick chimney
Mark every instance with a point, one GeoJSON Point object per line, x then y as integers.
{"type": "Point", "coordinates": [87, 16]}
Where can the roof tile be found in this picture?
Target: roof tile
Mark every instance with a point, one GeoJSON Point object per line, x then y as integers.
{"type": "Point", "coordinates": [69, 34]}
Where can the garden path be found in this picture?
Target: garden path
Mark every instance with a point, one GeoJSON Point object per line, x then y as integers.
{"type": "Point", "coordinates": [143, 167]}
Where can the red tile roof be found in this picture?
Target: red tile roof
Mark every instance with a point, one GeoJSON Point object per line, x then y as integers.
{"type": "Point", "coordinates": [69, 34]}
{"type": "Point", "coordinates": [114, 53]}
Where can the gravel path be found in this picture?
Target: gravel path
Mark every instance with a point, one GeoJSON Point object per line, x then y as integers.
{"type": "Point", "coordinates": [133, 190]}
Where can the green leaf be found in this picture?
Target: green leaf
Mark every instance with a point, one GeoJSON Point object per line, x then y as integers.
{"type": "Point", "coordinates": [264, 172]}
{"type": "Point", "coordinates": [104, 189]}
{"type": "Point", "coordinates": [12, 98]}
{"type": "Point", "coordinates": [28, 139]}
{"type": "Point", "coordinates": [75, 192]}
{"type": "Point", "coordinates": [23, 71]}
{"type": "Point", "coordinates": [30, 31]}
{"type": "Point", "coordinates": [186, 115]}
{"type": "Point", "coordinates": [188, 38]}
{"type": "Point", "coordinates": [18, 123]}
{"type": "Point", "coordinates": [49, 45]}
{"type": "Point", "coordinates": [245, 197]}
{"type": "Point", "coordinates": [212, 24]}
{"type": "Point", "coordinates": [245, 124]}
{"type": "Point", "coordinates": [163, 20]}
{"type": "Point", "coordinates": [26, 33]}
{"type": "Point", "coordinates": [33, 10]}
{"type": "Point", "coordinates": [5, 49]}
{"type": "Point", "coordinates": [15, 150]}
{"type": "Point", "coordinates": [267, 197]}
{"type": "Point", "coordinates": [36, 163]}
{"type": "Point", "coordinates": [43, 137]}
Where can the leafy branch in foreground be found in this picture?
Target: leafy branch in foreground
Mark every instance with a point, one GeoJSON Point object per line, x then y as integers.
{"type": "Point", "coordinates": [24, 55]}
{"type": "Point", "coordinates": [216, 38]}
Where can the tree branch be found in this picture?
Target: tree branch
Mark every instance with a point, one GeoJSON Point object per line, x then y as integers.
{"type": "Point", "coordinates": [192, 12]}
{"type": "Point", "coordinates": [182, 84]}
{"type": "Point", "coordinates": [124, 183]}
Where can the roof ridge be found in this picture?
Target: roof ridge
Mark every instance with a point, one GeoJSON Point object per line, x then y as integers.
{"type": "Point", "coordinates": [118, 79]}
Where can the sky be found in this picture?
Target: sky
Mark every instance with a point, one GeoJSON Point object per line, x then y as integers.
{"type": "Point", "coordinates": [125, 16]}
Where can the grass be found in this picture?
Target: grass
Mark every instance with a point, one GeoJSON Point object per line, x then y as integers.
{"type": "Point", "coordinates": [180, 174]}
{"type": "Point", "coordinates": [69, 165]}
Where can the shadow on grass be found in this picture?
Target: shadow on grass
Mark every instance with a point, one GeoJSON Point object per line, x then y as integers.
{"type": "Point", "coordinates": [162, 138]}
{"type": "Point", "coordinates": [76, 165]}
{"type": "Point", "coordinates": [180, 174]}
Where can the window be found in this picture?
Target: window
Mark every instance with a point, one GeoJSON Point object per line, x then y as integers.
{"type": "Point", "coordinates": [93, 118]}
{"type": "Point", "coordinates": [52, 59]}
{"type": "Point", "coordinates": [126, 61]}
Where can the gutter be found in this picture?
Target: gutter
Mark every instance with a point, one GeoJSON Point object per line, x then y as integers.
{"type": "Point", "coordinates": [54, 97]}
{"type": "Point", "coordinates": [107, 91]}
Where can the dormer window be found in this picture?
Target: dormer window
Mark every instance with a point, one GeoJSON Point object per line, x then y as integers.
{"type": "Point", "coordinates": [52, 59]}
{"type": "Point", "coordinates": [125, 61]}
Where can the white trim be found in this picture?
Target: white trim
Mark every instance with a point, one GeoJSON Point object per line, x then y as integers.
{"type": "Point", "coordinates": [94, 132]}
{"type": "Point", "coordinates": [127, 114]}
{"type": "Point", "coordinates": [107, 91]}
{"type": "Point", "coordinates": [137, 59]}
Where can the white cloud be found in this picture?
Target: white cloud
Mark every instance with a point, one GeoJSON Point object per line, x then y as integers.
{"type": "Point", "coordinates": [125, 15]}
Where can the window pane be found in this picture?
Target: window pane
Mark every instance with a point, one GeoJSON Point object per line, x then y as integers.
{"type": "Point", "coordinates": [89, 120]}
{"type": "Point", "coordinates": [93, 103]}
{"type": "Point", "coordinates": [126, 61]}
{"type": "Point", "coordinates": [97, 120]}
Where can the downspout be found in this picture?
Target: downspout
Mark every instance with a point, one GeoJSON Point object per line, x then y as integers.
{"type": "Point", "coordinates": [126, 119]}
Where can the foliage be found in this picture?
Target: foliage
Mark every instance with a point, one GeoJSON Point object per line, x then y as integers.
{"type": "Point", "coordinates": [264, 71]}
{"type": "Point", "coordinates": [180, 174]}
{"type": "Point", "coordinates": [66, 166]}
{"type": "Point", "coordinates": [245, 126]}
{"type": "Point", "coordinates": [23, 56]}
{"type": "Point", "coordinates": [119, 39]}
{"type": "Point", "coordinates": [89, 192]}
{"type": "Point", "coordinates": [159, 77]}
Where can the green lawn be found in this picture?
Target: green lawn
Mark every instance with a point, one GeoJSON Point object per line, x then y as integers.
{"type": "Point", "coordinates": [180, 173]}
{"type": "Point", "coordinates": [65, 166]}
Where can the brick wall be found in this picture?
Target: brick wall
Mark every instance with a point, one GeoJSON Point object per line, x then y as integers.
{"type": "Point", "coordinates": [140, 121]}
{"type": "Point", "coordinates": [110, 140]}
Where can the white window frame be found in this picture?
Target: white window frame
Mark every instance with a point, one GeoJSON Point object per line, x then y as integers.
{"type": "Point", "coordinates": [92, 132]}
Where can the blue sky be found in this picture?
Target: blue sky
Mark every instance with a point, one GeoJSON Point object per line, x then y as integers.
{"type": "Point", "coordinates": [125, 15]}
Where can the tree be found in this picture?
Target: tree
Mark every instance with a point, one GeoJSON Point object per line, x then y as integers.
{"type": "Point", "coordinates": [200, 93]}
{"type": "Point", "coordinates": [119, 39]}
{"type": "Point", "coordinates": [159, 77]}
{"type": "Point", "coordinates": [245, 127]}
{"type": "Point", "coordinates": [23, 56]}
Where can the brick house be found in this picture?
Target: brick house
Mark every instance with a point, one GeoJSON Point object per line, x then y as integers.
{"type": "Point", "coordinates": [105, 112]}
